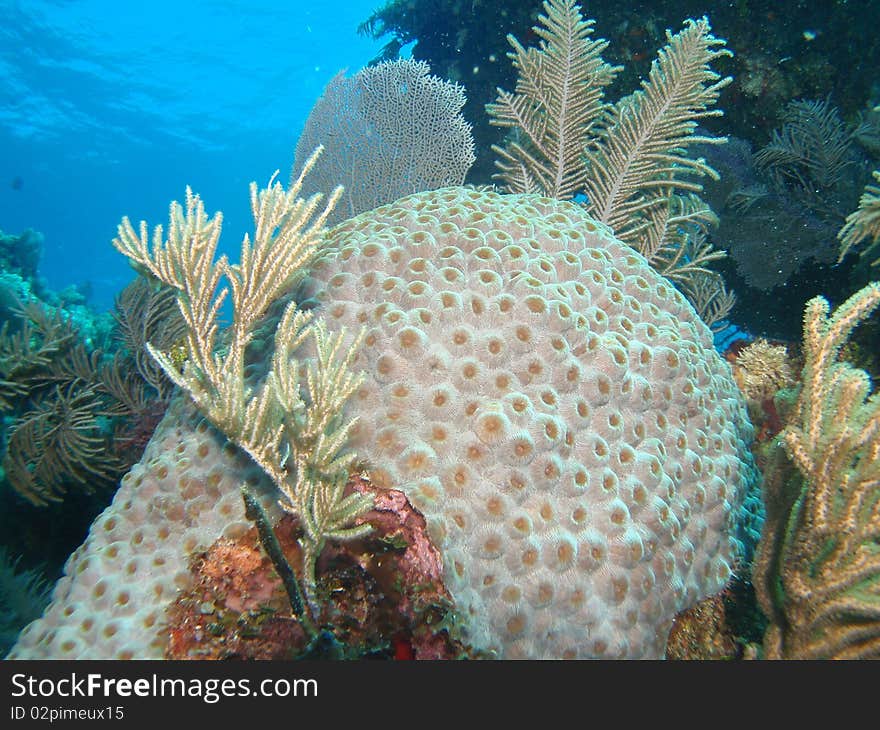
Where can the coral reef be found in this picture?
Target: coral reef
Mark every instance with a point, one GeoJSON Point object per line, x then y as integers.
{"type": "Point", "coordinates": [60, 455]}
{"type": "Point", "coordinates": [173, 568]}
{"type": "Point", "coordinates": [764, 372]}
{"type": "Point", "coordinates": [20, 254]}
{"type": "Point", "coordinates": [295, 438]}
{"type": "Point", "coordinates": [71, 406]}
{"type": "Point", "coordinates": [384, 592]}
{"type": "Point", "coordinates": [463, 42]}
{"type": "Point", "coordinates": [464, 424]}
{"type": "Point", "coordinates": [775, 59]}
{"type": "Point", "coordinates": [762, 369]}
{"type": "Point", "coordinates": [701, 633]}
{"type": "Point", "coordinates": [51, 384]}
{"type": "Point", "coordinates": [182, 497]}
{"type": "Point", "coordinates": [863, 224]}
{"type": "Point", "coordinates": [293, 432]}
{"type": "Point", "coordinates": [727, 625]}
{"type": "Point", "coordinates": [145, 313]}
{"type": "Point", "coordinates": [644, 517]}
{"type": "Point", "coordinates": [793, 196]}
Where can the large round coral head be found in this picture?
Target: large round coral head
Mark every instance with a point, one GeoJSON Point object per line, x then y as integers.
{"type": "Point", "coordinates": [553, 406]}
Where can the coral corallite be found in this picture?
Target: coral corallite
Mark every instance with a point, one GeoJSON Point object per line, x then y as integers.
{"type": "Point", "coordinates": [554, 408]}
{"type": "Point", "coordinates": [551, 405]}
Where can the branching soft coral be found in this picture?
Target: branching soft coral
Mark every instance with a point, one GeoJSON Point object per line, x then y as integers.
{"type": "Point", "coordinates": [817, 573]}
{"type": "Point", "coordinates": [293, 431]}
{"type": "Point", "coordinates": [629, 159]}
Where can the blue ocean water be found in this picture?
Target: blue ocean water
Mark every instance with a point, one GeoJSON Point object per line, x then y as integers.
{"type": "Point", "coordinates": [110, 109]}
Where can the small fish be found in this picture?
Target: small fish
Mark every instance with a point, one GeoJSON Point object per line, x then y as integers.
{"type": "Point", "coordinates": [17, 182]}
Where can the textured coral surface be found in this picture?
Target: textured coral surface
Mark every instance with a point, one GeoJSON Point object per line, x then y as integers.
{"type": "Point", "coordinates": [554, 408]}
{"type": "Point", "coordinates": [551, 405]}
{"type": "Point", "coordinates": [181, 497]}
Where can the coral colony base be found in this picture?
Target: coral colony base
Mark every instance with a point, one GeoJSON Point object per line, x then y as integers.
{"type": "Point", "coordinates": [550, 404]}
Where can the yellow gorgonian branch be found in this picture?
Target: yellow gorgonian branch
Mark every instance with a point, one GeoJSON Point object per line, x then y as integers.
{"type": "Point", "coordinates": [294, 431]}
{"type": "Point", "coordinates": [817, 574]}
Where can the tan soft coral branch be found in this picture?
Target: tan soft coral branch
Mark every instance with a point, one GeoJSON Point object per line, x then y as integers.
{"type": "Point", "coordinates": [296, 438]}
{"type": "Point", "coordinates": [817, 573]}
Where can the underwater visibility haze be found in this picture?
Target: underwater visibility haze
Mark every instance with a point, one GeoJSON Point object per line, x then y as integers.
{"type": "Point", "coordinates": [112, 109]}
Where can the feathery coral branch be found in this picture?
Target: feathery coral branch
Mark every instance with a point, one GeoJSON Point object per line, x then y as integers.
{"type": "Point", "coordinates": [556, 105]}
{"type": "Point", "coordinates": [641, 155]}
{"type": "Point", "coordinates": [863, 223]}
{"type": "Point", "coordinates": [629, 159]}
